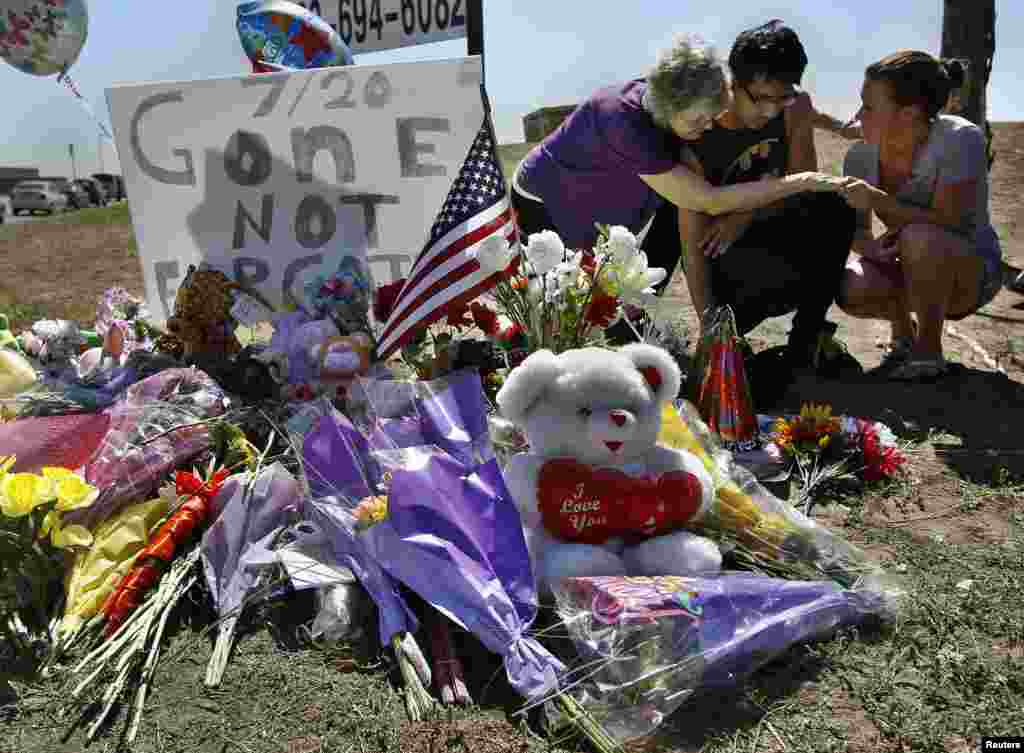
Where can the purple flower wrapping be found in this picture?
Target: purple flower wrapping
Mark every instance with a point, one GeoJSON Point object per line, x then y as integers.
{"type": "Point", "coordinates": [454, 537]}
{"type": "Point", "coordinates": [334, 521]}
{"type": "Point", "coordinates": [245, 523]}
{"type": "Point", "coordinates": [658, 640]}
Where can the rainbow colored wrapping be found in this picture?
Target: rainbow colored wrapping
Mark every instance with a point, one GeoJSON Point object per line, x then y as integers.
{"type": "Point", "coordinates": [719, 387]}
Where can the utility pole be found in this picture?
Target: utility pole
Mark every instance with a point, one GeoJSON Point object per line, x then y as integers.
{"type": "Point", "coordinates": [969, 33]}
{"type": "Point", "coordinates": [74, 168]}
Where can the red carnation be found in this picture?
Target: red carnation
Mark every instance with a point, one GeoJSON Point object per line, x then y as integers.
{"type": "Point", "coordinates": [602, 309]}
{"type": "Point", "coordinates": [484, 318]}
{"type": "Point", "coordinates": [588, 263]}
{"type": "Point", "coordinates": [511, 333]}
{"type": "Point", "coordinates": [458, 316]}
{"type": "Point", "coordinates": [879, 462]}
{"type": "Point", "coordinates": [384, 302]}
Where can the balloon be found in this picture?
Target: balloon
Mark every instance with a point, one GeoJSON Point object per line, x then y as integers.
{"type": "Point", "coordinates": [42, 37]}
{"type": "Point", "coordinates": [278, 35]}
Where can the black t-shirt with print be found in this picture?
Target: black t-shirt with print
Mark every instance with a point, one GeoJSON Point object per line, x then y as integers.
{"type": "Point", "coordinates": [740, 155]}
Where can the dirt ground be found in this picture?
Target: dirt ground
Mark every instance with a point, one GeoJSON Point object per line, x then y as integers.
{"type": "Point", "coordinates": [299, 702]}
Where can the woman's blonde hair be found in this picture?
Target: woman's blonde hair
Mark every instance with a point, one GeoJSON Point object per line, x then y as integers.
{"type": "Point", "coordinates": [686, 74]}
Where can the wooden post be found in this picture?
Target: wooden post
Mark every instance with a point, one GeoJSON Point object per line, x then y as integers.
{"type": "Point", "coordinates": [969, 33]}
{"type": "Point", "coordinates": [475, 30]}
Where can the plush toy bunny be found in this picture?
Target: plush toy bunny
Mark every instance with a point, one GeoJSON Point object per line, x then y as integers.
{"type": "Point", "coordinates": [597, 494]}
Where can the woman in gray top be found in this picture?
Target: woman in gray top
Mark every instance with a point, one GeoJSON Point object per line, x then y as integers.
{"type": "Point", "coordinates": [926, 178]}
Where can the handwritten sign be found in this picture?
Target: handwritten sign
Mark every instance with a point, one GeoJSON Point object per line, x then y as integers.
{"type": "Point", "coordinates": [274, 178]}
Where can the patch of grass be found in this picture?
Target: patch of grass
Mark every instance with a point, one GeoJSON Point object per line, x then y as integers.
{"type": "Point", "coordinates": [20, 313]}
{"type": "Point", "coordinates": [510, 156]}
{"type": "Point", "coordinates": [114, 214]}
{"type": "Point", "coordinates": [950, 670]}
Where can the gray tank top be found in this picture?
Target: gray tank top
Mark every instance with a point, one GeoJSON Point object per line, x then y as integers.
{"type": "Point", "coordinates": [955, 152]}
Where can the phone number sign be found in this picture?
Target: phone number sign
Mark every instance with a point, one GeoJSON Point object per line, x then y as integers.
{"type": "Point", "coordinates": [373, 25]}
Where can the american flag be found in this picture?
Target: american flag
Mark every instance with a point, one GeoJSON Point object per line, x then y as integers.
{"type": "Point", "coordinates": [445, 273]}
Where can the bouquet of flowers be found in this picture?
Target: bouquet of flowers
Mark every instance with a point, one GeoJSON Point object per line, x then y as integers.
{"type": "Point", "coordinates": [559, 299]}
{"type": "Point", "coordinates": [33, 537]}
{"type": "Point", "coordinates": [763, 533]}
{"type": "Point", "coordinates": [648, 644]}
{"type": "Point", "coordinates": [826, 448]}
{"type": "Point", "coordinates": [160, 425]}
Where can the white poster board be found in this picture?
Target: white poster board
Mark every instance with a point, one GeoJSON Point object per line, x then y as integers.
{"type": "Point", "coordinates": [274, 178]}
{"type": "Point", "coordinates": [373, 25]}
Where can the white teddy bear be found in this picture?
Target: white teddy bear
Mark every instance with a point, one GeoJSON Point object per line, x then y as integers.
{"type": "Point", "coordinates": [596, 493]}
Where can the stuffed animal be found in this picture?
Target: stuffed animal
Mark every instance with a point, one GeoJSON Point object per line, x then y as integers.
{"type": "Point", "coordinates": [202, 321]}
{"type": "Point", "coordinates": [597, 495]}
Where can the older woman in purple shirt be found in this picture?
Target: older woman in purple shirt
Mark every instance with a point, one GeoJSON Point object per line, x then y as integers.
{"type": "Point", "coordinates": [616, 160]}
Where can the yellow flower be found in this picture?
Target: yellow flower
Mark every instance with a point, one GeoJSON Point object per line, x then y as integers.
{"type": "Point", "coordinates": [21, 493]}
{"type": "Point", "coordinates": [820, 417]}
{"type": "Point", "coordinates": [371, 510]}
{"type": "Point", "coordinates": [65, 537]}
{"type": "Point", "coordinates": [71, 490]}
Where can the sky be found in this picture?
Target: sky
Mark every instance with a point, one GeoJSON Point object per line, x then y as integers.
{"type": "Point", "coordinates": [537, 53]}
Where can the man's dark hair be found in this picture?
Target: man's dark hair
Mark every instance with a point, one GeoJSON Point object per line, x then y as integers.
{"type": "Point", "coordinates": [772, 50]}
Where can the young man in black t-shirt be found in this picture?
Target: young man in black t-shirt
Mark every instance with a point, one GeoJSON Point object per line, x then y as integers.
{"type": "Point", "coordinates": [786, 257]}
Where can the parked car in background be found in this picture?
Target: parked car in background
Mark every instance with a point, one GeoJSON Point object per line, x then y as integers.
{"type": "Point", "coordinates": [5, 207]}
{"type": "Point", "coordinates": [38, 196]}
{"type": "Point", "coordinates": [113, 184]}
{"type": "Point", "coordinates": [78, 196]}
{"type": "Point", "coordinates": [97, 193]}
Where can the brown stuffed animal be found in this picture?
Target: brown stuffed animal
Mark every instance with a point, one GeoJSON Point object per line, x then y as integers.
{"type": "Point", "coordinates": [202, 322]}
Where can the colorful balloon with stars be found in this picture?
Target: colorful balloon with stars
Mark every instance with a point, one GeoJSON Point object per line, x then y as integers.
{"type": "Point", "coordinates": [281, 35]}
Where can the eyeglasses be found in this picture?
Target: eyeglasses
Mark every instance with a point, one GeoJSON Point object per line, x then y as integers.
{"type": "Point", "coordinates": [784, 101]}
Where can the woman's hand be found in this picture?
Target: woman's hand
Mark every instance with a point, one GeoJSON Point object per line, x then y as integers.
{"type": "Point", "coordinates": [723, 231]}
{"type": "Point", "coordinates": [861, 195]}
{"type": "Point", "coordinates": [822, 182]}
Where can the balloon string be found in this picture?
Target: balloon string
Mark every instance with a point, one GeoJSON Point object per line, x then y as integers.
{"type": "Point", "coordinates": [65, 79]}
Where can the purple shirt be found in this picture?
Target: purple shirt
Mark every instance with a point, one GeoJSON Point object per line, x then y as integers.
{"type": "Point", "coordinates": [588, 169]}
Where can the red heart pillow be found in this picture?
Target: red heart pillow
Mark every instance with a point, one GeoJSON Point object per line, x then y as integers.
{"type": "Point", "coordinates": [587, 505]}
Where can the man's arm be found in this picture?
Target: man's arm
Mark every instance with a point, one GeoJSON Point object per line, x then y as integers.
{"type": "Point", "coordinates": [693, 227]}
{"type": "Point", "coordinates": [948, 207]}
{"type": "Point", "coordinates": [802, 156]}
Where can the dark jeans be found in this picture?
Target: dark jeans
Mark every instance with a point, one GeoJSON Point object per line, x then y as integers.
{"type": "Point", "coordinates": [661, 244]}
{"type": "Point", "coordinates": [793, 260]}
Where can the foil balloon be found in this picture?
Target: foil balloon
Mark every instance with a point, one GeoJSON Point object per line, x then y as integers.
{"type": "Point", "coordinates": [278, 35]}
{"type": "Point", "coordinates": [42, 37]}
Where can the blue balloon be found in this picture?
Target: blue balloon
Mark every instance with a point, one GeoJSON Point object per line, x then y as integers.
{"type": "Point", "coordinates": [279, 35]}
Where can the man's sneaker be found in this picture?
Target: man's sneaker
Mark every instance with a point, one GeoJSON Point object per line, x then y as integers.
{"type": "Point", "coordinates": [896, 353]}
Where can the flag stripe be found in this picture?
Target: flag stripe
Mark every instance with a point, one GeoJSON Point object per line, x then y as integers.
{"type": "Point", "coordinates": [429, 299]}
{"type": "Point", "coordinates": [443, 264]}
{"type": "Point", "coordinates": [490, 215]}
{"type": "Point", "coordinates": [460, 298]}
{"type": "Point", "coordinates": [446, 272]}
